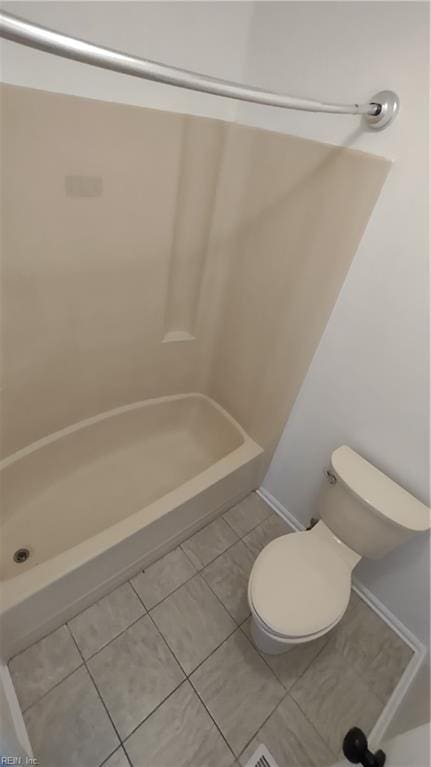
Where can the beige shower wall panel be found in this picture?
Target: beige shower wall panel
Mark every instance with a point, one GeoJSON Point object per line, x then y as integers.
{"type": "Point", "coordinates": [303, 211]}
{"type": "Point", "coordinates": [197, 187]}
{"type": "Point", "coordinates": [124, 224]}
{"type": "Point", "coordinates": [90, 203]}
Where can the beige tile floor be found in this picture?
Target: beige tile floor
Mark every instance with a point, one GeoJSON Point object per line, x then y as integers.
{"type": "Point", "coordinates": [162, 671]}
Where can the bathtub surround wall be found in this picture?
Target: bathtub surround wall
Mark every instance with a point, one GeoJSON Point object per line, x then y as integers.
{"type": "Point", "coordinates": [85, 276]}
{"type": "Point", "coordinates": [201, 150]}
{"type": "Point", "coordinates": [147, 253]}
{"type": "Point", "coordinates": [302, 213]}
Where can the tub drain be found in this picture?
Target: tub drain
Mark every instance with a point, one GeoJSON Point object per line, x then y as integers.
{"type": "Point", "coordinates": [21, 555]}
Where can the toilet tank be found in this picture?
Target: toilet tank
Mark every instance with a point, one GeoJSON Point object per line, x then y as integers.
{"type": "Point", "coordinates": [367, 510]}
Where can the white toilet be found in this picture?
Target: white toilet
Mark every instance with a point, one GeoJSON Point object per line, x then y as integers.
{"type": "Point", "coordinates": [299, 586]}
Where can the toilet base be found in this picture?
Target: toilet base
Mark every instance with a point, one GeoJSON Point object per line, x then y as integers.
{"type": "Point", "coordinates": [266, 643]}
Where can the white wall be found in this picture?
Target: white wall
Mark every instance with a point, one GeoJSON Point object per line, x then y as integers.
{"type": "Point", "coordinates": [367, 385]}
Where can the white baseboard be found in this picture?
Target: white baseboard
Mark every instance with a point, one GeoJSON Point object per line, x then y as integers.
{"type": "Point", "coordinates": [419, 650]}
{"type": "Point", "coordinates": [280, 509]}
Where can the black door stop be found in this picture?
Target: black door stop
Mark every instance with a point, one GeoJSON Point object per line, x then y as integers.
{"type": "Point", "coordinates": [355, 749]}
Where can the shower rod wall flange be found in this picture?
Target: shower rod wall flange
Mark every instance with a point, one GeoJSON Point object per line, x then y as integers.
{"type": "Point", "coordinates": [379, 112]}
{"type": "Point", "coordinates": [389, 104]}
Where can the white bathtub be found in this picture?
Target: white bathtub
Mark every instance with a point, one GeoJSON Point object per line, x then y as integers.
{"type": "Point", "coordinates": [100, 500]}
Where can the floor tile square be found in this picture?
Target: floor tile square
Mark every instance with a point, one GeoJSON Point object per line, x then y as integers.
{"type": "Point", "coordinates": [385, 671]}
{"type": "Point", "coordinates": [158, 580]}
{"type": "Point", "coordinates": [291, 739]}
{"type": "Point", "coordinates": [335, 698]}
{"type": "Point", "coordinates": [209, 543]}
{"type": "Point", "coordinates": [247, 514]}
{"type": "Point", "coordinates": [179, 734]}
{"type": "Point", "coordinates": [264, 533]}
{"type": "Point", "coordinates": [228, 577]}
{"type": "Point", "coordinates": [238, 689]}
{"type": "Point", "coordinates": [118, 759]}
{"type": "Point", "coordinates": [162, 578]}
{"type": "Point", "coordinates": [70, 726]}
{"type": "Point", "coordinates": [378, 654]}
{"type": "Point", "coordinates": [289, 666]}
{"type": "Point", "coordinates": [193, 622]}
{"type": "Point", "coordinates": [43, 665]}
{"type": "Point", "coordinates": [134, 674]}
{"type": "Point", "coordinates": [103, 621]}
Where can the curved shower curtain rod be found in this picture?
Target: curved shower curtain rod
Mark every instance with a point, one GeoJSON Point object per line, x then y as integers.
{"type": "Point", "coordinates": [379, 112]}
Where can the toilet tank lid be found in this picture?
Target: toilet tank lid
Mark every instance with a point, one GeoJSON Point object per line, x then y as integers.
{"type": "Point", "coordinates": [378, 491]}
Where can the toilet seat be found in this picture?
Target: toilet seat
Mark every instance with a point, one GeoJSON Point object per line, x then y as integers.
{"type": "Point", "coordinates": [299, 586]}
{"type": "Point", "coordinates": [287, 639]}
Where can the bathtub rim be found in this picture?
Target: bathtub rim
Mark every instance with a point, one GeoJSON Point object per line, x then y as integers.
{"type": "Point", "coordinates": [24, 585]}
{"type": "Point", "coordinates": [106, 414]}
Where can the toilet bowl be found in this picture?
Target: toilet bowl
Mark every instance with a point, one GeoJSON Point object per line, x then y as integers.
{"type": "Point", "coordinates": [299, 589]}
{"type": "Point", "coordinates": [300, 583]}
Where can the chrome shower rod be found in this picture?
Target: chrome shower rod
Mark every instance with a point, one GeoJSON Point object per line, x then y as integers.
{"type": "Point", "coordinates": [378, 112]}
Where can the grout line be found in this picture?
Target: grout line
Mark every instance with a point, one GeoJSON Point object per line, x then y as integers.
{"type": "Point", "coordinates": [238, 622]}
{"type": "Point", "coordinates": [139, 597]}
{"type": "Point", "coordinates": [212, 652]}
{"type": "Point", "coordinates": [109, 756]}
{"type": "Point", "coordinates": [266, 664]}
{"type": "Point", "coordinates": [312, 724]}
{"type": "Point", "coordinates": [198, 572]}
{"type": "Point", "coordinates": [36, 702]}
{"type": "Point", "coordinates": [241, 537]}
{"type": "Point", "coordinates": [203, 567]}
{"type": "Point", "coordinates": [187, 675]}
{"type": "Point", "coordinates": [41, 639]}
{"type": "Point", "coordinates": [288, 689]}
{"type": "Point", "coordinates": [188, 557]}
{"type": "Point", "coordinates": [156, 708]}
{"type": "Point", "coordinates": [103, 647]}
{"type": "Point", "coordinates": [355, 674]}
{"type": "Point", "coordinates": [104, 704]}
{"type": "Point", "coordinates": [66, 623]}
{"type": "Point", "coordinates": [238, 628]}
{"type": "Point", "coordinates": [336, 755]}
{"type": "Point", "coordinates": [96, 688]}
{"type": "Point", "coordinates": [121, 740]}
{"type": "Point", "coordinates": [211, 717]}
{"type": "Point", "coordinates": [177, 588]}
{"type": "Point", "coordinates": [287, 693]}
{"type": "Point", "coordinates": [167, 645]}
{"type": "Point", "coordinates": [270, 713]}
{"type": "Point", "coordinates": [292, 686]}
{"type": "Point", "coordinates": [260, 654]}
{"type": "Point", "coordinates": [263, 723]}
{"type": "Point", "coordinates": [118, 748]}
{"type": "Point", "coordinates": [220, 602]}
